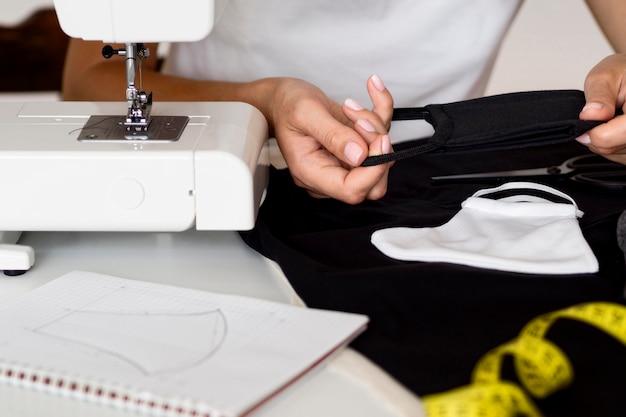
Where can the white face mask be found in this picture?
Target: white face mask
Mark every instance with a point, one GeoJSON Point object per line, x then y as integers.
{"type": "Point", "coordinates": [519, 233]}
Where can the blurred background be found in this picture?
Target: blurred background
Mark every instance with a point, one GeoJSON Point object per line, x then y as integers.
{"type": "Point", "coordinates": [32, 47]}
{"type": "Point", "coordinates": [551, 45]}
{"type": "Point", "coordinates": [543, 50]}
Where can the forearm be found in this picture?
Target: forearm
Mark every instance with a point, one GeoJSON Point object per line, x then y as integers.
{"type": "Point", "coordinates": [611, 15]}
{"type": "Point", "coordinates": [90, 77]}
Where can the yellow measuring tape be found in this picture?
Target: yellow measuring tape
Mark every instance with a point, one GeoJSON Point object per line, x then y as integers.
{"type": "Point", "coordinates": [542, 368]}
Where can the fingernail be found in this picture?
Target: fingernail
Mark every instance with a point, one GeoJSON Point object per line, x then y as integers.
{"type": "Point", "coordinates": [584, 139]}
{"type": "Point", "coordinates": [593, 105]}
{"type": "Point", "coordinates": [378, 83]}
{"type": "Point", "coordinates": [386, 146]}
{"type": "Point", "coordinates": [353, 153]}
{"type": "Point", "coordinates": [353, 104]}
{"type": "Point", "coordinates": [365, 124]}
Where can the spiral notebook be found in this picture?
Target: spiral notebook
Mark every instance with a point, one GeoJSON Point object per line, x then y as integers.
{"type": "Point", "coordinates": [161, 350]}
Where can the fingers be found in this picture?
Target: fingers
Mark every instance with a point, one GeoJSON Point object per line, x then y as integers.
{"type": "Point", "coordinates": [365, 183]}
{"type": "Point", "coordinates": [608, 139]}
{"type": "Point", "coordinates": [380, 144]}
{"type": "Point", "coordinates": [379, 147]}
{"type": "Point", "coordinates": [364, 120]}
{"type": "Point", "coordinates": [381, 99]}
{"type": "Point", "coordinates": [317, 120]}
{"type": "Point", "coordinates": [371, 184]}
{"type": "Point", "coordinates": [323, 152]}
{"type": "Point", "coordinates": [299, 109]}
{"type": "Point", "coordinates": [340, 140]}
{"type": "Point", "coordinates": [597, 110]}
{"type": "Point", "coordinates": [350, 185]}
{"type": "Point", "coordinates": [382, 110]}
{"type": "Point", "coordinates": [605, 88]}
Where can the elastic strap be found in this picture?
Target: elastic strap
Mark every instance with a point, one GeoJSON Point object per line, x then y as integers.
{"type": "Point", "coordinates": [505, 121]}
{"type": "Point", "coordinates": [401, 114]}
{"type": "Point", "coordinates": [521, 185]}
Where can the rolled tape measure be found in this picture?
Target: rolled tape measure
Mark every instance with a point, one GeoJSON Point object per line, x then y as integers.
{"type": "Point", "coordinates": [541, 366]}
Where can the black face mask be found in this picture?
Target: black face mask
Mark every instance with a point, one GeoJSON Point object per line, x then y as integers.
{"type": "Point", "coordinates": [506, 121]}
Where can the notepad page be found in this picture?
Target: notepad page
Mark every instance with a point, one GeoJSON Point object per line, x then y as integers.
{"type": "Point", "coordinates": [158, 347]}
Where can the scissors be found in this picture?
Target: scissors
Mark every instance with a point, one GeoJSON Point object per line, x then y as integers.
{"type": "Point", "coordinates": [590, 169]}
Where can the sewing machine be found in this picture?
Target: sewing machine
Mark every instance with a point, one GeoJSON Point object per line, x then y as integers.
{"type": "Point", "coordinates": [134, 165]}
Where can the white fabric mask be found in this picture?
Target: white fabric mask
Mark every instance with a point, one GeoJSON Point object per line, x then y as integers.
{"type": "Point", "coordinates": [522, 233]}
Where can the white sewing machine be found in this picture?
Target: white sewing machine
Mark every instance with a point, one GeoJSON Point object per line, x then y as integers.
{"type": "Point", "coordinates": [133, 166]}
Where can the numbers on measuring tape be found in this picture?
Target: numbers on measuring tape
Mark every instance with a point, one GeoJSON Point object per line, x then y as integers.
{"type": "Point", "coordinates": [482, 400]}
{"type": "Point", "coordinates": [541, 367]}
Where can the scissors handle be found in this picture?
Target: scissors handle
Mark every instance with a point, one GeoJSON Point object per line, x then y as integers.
{"type": "Point", "coordinates": [611, 180]}
{"type": "Point", "coordinates": [592, 162]}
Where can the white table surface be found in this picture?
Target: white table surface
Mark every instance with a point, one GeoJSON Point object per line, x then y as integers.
{"type": "Point", "coordinates": [347, 385]}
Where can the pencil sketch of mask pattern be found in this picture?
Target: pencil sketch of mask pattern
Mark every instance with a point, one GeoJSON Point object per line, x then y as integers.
{"type": "Point", "coordinates": [139, 339]}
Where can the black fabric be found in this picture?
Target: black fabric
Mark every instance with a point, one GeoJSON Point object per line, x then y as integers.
{"type": "Point", "coordinates": [621, 233]}
{"type": "Point", "coordinates": [505, 121]}
{"type": "Point", "coordinates": [431, 322]}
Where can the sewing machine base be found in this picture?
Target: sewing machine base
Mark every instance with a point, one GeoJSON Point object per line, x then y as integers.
{"type": "Point", "coordinates": [212, 177]}
{"type": "Point", "coordinates": [14, 259]}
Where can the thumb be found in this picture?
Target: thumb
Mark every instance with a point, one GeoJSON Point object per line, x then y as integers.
{"type": "Point", "coordinates": [337, 138]}
{"type": "Point", "coordinates": [602, 91]}
{"type": "Point", "coordinates": [596, 109]}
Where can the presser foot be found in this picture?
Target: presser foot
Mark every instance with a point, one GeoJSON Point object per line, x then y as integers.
{"type": "Point", "coordinates": [14, 259]}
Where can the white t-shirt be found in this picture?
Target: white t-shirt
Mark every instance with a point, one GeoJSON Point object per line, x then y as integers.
{"type": "Point", "coordinates": [426, 51]}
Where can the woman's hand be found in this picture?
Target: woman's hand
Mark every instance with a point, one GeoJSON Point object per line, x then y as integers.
{"type": "Point", "coordinates": [324, 142]}
{"type": "Point", "coordinates": [605, 92]}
